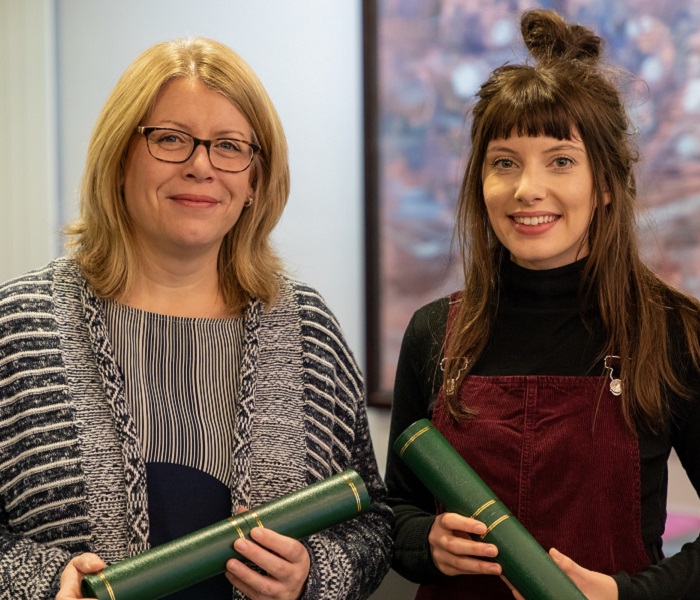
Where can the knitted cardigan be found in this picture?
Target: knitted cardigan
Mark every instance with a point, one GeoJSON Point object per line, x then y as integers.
{"type": "Point", "coordinates": [72, 477]}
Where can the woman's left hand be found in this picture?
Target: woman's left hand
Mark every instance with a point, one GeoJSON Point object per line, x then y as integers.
{"type": "Point", "coordinates": [285, 561]}
{"type": "Point", "coordinates": [595, 586]}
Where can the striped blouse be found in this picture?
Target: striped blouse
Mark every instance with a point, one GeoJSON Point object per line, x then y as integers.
{"type": "Point", "coordinates": [181, 380]}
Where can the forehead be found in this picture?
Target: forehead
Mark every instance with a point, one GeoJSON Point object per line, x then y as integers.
{"type": "Point", "coordinates": [187, 101]}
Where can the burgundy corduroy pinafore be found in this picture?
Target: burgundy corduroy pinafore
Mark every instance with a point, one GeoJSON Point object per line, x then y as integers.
{"type": "Point", "coordinates": [557, 452]}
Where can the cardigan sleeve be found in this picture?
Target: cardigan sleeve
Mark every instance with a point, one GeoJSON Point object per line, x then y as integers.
{"type": "Point", "coordinates": [38, 459]}
{"type": "Point", "coordinates": [350, 560]}
{"type": "Point", "coordinates": [28, 570]}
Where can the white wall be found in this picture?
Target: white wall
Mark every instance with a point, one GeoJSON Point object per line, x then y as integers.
{"type": "Point", "coordinates": [27, 136]}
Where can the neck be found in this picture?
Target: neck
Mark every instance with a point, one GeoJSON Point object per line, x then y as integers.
{"type": "Point", "coordinates": [177, 287]}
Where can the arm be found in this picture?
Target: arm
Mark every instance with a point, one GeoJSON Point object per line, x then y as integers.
{"type": "Point", "coordinates": [28, 571]}
{"type": "Point", "coordinates": [428, 547]}
{"type": "Point", "coordinates": [415, 389]}
{"type": "Point", "coordinates": [350, 560]}
{"type": "Point", "coordinates": [677, 576]}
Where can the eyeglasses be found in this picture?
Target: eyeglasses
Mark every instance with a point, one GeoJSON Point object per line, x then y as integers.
{"type": "Point", "coordinates": [175, 146]}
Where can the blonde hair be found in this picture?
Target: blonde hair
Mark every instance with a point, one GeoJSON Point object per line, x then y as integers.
{"type": "Point", "coordinates": [102, 240]}
{"type": "Point", "coordinates": [567, 88]}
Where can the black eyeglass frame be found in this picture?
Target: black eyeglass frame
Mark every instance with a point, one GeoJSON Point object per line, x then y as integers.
{"type": "Point", "coordinates": [146, 131]}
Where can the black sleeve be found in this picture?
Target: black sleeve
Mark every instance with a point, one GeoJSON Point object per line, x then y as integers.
{"type": "Point", "coordinates": [676, 577]}
{"type": "Point", "coordinates": [418, 379]}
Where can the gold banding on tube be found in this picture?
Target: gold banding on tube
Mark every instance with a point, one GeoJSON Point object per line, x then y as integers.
{"type": "Point", "coordinates": [233, 522]}
{"type": "Point", "coordinates": [257, 519]}
{"type": "Point", "coordinates": [354, 491]}
{"type": "Point", "coordinates": [482, 508]}
{"type": "Point", "coordinates": [493, 526]}
{"type": "Point", "coordinates": [413, 438]}
{"type": "Point", "coordinates": [110, 591]}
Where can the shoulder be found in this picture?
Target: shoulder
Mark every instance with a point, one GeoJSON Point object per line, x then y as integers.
{"type": "Point", "coordinates": [322, 335]}
{"type": "Point", "coordinates": [433, 314]}
{"type": "Point", "coordinates": [312, 306]}
{"type": "Point", "coordinates": [40, 281]}
{"type": "Point", "coordinates": [428, 324]}
{"type": "Point", "coordinates": [37, 281]}
{"type": "Point", "coordinates": [27, 301]}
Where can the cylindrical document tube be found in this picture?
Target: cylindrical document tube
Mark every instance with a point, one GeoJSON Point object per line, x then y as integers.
{"type": "Point", "coordinates": [460, 490]}
{"type": "Point", "coordinates": [202, 554]}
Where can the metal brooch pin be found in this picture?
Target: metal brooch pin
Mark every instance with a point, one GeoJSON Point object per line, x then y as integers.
{"type": "Point", "coordinates": [615, 382]}
{"type": "Point", "coordinates": [451, 384]}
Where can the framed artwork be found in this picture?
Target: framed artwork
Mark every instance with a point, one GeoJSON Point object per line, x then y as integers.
{"type": "Point", "coordinates": [424, 61]}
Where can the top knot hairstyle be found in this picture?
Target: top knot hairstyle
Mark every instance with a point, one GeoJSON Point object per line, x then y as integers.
{"type": "Point", "coordinates": [570, 93]}
{"type": "Point", "coordinates": [549, 38]}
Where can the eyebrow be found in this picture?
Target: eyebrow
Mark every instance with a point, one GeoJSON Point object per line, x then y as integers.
{"type": "Point", "coordinates": [558, 148]}
{"type": "Point", "coordinates": [221, 133]}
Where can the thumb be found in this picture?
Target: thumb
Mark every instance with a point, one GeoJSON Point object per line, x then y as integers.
{"type": "Point", "coordinates": [88, 563]}
{"type": "Point", "coordinates": [563, 562]}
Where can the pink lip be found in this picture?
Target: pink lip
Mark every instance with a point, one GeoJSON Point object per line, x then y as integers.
{"type": "Point", "coordinates": [533, 229]}
{"type": "Point", "coordinates": [194, 200]}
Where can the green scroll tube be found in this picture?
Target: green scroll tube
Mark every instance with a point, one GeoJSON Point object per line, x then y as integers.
{"type": "Point", "coordinates": [202, 554]}
{"type": "Point", "coordinates": [460, 490]}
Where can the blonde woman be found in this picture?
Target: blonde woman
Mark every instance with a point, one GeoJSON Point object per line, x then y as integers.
{"type": "Point", "coordinates": [166, 373]}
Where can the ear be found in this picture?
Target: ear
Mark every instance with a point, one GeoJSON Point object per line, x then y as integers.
{"type": "Point", "coordinates": [606, 195]}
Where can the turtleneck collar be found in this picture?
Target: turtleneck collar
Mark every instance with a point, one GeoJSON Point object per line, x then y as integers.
{"type": "Point", "coordinates": [528, 287]}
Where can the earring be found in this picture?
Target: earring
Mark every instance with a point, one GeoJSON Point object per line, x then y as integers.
{"type": "Point", "coordinates": [248, 202]}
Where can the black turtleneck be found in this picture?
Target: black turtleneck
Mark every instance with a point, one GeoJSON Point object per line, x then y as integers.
{"type": "Point", "coordinates": [539, 329]}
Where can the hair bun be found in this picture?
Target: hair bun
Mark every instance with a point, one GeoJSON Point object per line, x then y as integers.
{"type": "Point", "coordinates": [548, 37]}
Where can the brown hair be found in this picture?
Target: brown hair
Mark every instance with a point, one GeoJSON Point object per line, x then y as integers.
{"type": "Point", "coordinates": [568, 89]}
{"type": "Point", "coordinates": [102, 239]}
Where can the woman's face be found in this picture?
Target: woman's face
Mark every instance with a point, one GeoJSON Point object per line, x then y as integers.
{"type": "Point", "coordinates": [539, 197]}
{"type": "Point", "coordinates": [182, 210]}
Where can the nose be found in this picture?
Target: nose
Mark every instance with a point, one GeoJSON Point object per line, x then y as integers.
{"type": "Point", "coordinates": [198, 164]}
{"type": "Point", "coordinates": [530, 187]}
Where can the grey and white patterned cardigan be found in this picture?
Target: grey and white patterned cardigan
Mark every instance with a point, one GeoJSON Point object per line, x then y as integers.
{"type": "Point", "coordinates": [72, 478]}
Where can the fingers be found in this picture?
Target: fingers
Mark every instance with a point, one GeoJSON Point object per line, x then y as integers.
{"type": "Point", "coordinates": [515, 592]}
{"type": "Point", "coordinates": [571, 568]}
{"type": "Point", "coordinates": [73, 574]}
{"type": "Point", "coordinates": [455, 552]}
{"type": "Point", "coordinates": [284, 560]}
{"type": "Point", "coordinates": [594, 585]}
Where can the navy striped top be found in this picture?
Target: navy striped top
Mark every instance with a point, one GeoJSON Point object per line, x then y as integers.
{"type": "Point", "coordinates": [181, 381]}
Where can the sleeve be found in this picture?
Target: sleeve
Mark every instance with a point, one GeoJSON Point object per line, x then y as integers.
{"type": "Point", "coordinates": [676, 577]}
{"type": "Point", "coordinates": [417, 382]}
{"type": "Point", "coordinates": [350, 560]}
{"type": "Point", "coordinates": [28, 571]}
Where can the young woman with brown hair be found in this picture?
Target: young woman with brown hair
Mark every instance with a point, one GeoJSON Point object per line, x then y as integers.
{"type": "Point", "coordinates": [565, 372]}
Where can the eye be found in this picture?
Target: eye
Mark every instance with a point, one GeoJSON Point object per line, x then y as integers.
{"type": "Point", "coordinates": [229, 146]}
{"type": "Point", "coordinates": [563, 162]}
{"type": "Point", "coordinates": [503, 163]}
{"type": "Point", "coordinates": [169, 137]}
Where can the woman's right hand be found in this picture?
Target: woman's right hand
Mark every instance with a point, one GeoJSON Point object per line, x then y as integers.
{"type": "Point", "coordinates": [454, 552]}
{"type": "Point", "coordinates": [72, 575]}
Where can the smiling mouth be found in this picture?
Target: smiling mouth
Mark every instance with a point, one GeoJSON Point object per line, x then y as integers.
{"type": "Point", "coordinates": [535, 220]}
